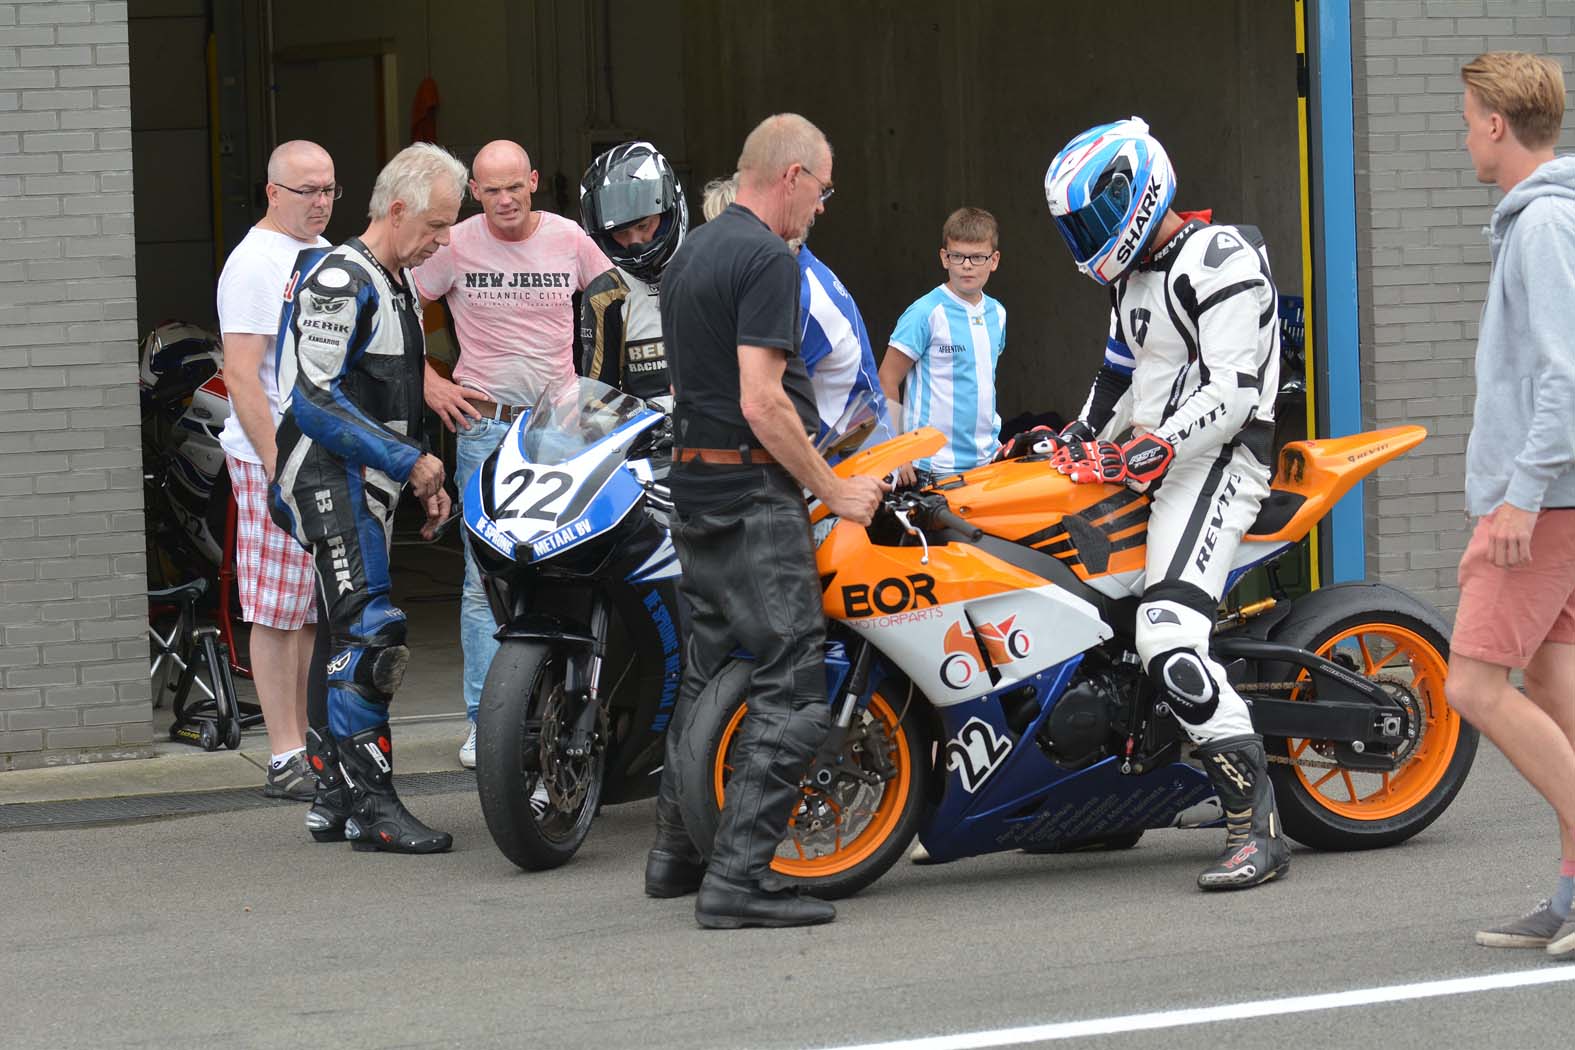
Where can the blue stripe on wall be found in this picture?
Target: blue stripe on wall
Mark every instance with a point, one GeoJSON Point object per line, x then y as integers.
{"type": "Point", "coordinates": [1336, 276]}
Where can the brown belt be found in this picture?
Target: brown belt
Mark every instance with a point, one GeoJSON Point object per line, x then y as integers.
{"type": "Point", "coordinates": [492, 410]}
{"type": "Point", "coordinates": [729, 456]}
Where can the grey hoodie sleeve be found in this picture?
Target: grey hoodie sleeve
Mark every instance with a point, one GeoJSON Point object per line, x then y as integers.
{"type": "Point", "coordinates": [1547, 261]}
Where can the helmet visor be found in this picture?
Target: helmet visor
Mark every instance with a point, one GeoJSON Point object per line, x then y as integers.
{"type": "Point", "coordinates": [621, 203]}
{"type": "Point", "coordinates": [1090, 228]}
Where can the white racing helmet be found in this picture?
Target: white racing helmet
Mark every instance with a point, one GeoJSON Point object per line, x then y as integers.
{"type": "Point", "coordinates": [1108, 189]}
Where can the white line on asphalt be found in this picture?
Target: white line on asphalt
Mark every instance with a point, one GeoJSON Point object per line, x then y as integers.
{"type": "Point", "coordinates": [1232, 1012]}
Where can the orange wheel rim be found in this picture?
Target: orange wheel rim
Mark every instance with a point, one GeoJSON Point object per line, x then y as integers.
{"type": "Point", "coordinates": [853, 837]}
{"type": "Point", "coordinates": [1386, 651]}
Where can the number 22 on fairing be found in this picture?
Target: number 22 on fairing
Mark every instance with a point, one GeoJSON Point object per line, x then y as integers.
{"type": "Point", "coordinates": [975, 753]}
{"type": "Point", "coordinates": [554, 483]}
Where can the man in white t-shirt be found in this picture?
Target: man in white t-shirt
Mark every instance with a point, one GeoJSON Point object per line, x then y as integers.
{"type": "Point", "coordinates": [509, 276]}
{"type": "Point", "coordinates": [275, 575]}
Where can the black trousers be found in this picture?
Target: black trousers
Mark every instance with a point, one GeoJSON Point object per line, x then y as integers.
{"type": "Point", "coordinates": [750, 581]}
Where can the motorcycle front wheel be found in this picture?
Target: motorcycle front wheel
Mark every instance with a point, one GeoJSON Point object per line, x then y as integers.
{"type": "Point", "coordinates": [538, 802]}
{"type": "Point", "coordinates": [841, 838]}
{"type": "Point", "coordinates": [1393, 639]}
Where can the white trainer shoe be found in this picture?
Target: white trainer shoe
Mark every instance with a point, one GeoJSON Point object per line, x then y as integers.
{"type": "Point", "coordinates": [467, 750]}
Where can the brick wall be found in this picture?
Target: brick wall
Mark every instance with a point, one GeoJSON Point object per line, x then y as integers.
{"type": "Point", "coordinates": [73, 604]}
{"type": "Point", "coordinates": [1423, 258]}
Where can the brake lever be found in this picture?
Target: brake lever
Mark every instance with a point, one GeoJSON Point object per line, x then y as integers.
{"type": "Point", "coordinates": [913, 530]}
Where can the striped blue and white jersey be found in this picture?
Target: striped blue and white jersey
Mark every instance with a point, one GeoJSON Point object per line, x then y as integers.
{"type": "Point", "coordinates": [954, 345]}
{"type": "Point", "coordinates": [836, 348]}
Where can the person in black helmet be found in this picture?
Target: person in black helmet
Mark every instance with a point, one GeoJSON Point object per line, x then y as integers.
{"type": "Point", "coordinates": [632, 206]}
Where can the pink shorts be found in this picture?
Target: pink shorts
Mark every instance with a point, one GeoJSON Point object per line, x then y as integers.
{"type": "Point", "coordinates": [275, 576]}
{"type": "Point", "coordinates": [1506, 615]}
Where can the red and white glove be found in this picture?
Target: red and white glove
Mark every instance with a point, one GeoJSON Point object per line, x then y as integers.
{"type": "Point", "coordinates": [1040, 441]}
{"type": "Point", "coordinates": [1137, 464]}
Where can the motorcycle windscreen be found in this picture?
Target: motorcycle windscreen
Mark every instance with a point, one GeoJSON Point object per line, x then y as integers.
{"type": "Point", "coordinates": [573, 415]}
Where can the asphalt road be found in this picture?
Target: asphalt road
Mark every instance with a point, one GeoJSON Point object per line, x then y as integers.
{"type": "Point", "coordinates": [232, 930]}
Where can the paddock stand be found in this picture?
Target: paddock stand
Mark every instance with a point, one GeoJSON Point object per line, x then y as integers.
{"type": "Point", "coordinates": [190, 666]}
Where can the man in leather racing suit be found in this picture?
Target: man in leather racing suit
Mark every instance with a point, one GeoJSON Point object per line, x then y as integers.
{"type": "Point", "coordinates": [1188, 383]}
{"type": "Point", "coordinates": [632, 206]}
{"type": "Point", "coordinates": [350, 360]}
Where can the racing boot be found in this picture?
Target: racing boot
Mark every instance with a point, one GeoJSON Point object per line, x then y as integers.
{"type": "Point", "coordinates": [331, 805]}
{"type": "Point", "coordinates": [674, 866]}
{"type": "Point", "coordinates": [1255, 847]}
{"type": "Point", "coordinates": [378, 820]}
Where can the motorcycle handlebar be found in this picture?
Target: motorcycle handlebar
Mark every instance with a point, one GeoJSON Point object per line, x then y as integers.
{"type": "Point", "coordinates": [943, 517]}
{"type": "Point", "coordinates": [932, 512]}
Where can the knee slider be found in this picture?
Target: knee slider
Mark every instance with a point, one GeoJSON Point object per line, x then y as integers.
{"type": "Point", "coordinates": [372, 668]}
{"type": "Point", "coordinates": [387, 659]}
{"type": "Point", "coordinates": [1182, 677]}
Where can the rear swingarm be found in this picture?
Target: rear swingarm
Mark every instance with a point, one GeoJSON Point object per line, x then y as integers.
{"type": "Point", "coordinates": [1364, 721]}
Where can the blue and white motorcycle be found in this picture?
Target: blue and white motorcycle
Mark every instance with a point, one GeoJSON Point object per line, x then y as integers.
{"type": "Point", "coordinates": [569, 523]}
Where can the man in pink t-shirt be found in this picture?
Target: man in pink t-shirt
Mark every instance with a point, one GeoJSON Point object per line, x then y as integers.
{"type": "Point", "coordinates": [509, 276]}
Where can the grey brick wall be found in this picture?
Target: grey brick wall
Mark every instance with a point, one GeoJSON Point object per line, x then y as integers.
{"type": "Point", "coordinates": [73, 605]}
{"type": "Point", "coordinates": [1423, 258]}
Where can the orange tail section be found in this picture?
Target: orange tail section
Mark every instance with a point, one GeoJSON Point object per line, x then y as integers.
{"type": "Point", "coordinates": [1313, 475]}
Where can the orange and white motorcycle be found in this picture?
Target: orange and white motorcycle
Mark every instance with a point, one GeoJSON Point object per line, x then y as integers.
{"type": "Point", "coordinates": [987, 694]}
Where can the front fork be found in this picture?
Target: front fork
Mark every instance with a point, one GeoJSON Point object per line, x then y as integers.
{"type": "Point", "coordinates": [829, 760]}
{"type": "Point", "coordinates": [582, 698]}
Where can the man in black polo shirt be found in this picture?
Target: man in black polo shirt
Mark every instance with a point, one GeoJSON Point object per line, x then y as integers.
{"type": "Point", "coordinates": [742, 422]}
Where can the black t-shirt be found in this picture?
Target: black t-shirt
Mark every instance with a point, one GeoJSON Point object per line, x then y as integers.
{"type": "Point", "coordinates": [732, 283]}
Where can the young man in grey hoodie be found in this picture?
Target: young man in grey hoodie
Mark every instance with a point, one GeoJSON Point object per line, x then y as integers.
{"type": "Point", "coordinates": [1517, 577]}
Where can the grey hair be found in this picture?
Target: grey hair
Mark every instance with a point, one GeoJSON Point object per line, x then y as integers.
{"type": "Point", "coordinates": [409, 177]}
{"type": "Point", "coordinates": [717, 195]}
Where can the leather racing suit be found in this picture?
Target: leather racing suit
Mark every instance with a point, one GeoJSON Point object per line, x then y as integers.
{"type": "Point", "coordinates": [1193, 356]}
{"type": "Point", "coordinates": [621, 337]}
{"type": "Point", "coordinates": [350, 370]}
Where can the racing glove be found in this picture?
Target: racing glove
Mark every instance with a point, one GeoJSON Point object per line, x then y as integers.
{"type": "Point", "coordinates": [1137, 464]}
{"type": "Point", "coordinates": [1040, 441]}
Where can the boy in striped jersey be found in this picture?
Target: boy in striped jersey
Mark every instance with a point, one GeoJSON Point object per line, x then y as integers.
{"type": "Point", "coordinates": [943, 352]}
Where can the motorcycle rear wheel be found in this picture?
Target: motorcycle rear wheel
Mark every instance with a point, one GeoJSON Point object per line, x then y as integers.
{"type": "Point", "coordinates": [1383, 634]}
{"type": "Point", "coordinates": [521, 687]}
{"type": "Point", "coordinates": [838, 841]}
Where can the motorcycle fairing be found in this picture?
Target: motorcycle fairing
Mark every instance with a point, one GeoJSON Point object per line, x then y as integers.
{"type": "Point", "coordinates": [882, 459]}
{"type": "Point", "coordinates": [592, 489]}
{"type": "Point", "coordinates": [661, 565]}
{"type": "Point", "coordinates": [1026, 800]}
{"type": "Point", "coordinates": [962, 623]}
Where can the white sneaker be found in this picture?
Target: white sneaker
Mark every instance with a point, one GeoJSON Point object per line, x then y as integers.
{"type": "Point", "coordinates": [540, 801]}
{"type": "Point", "coordinates": [467, 750]}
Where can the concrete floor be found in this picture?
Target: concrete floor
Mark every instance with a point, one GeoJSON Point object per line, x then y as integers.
{"type": "Point", "coordinates": [232, 930]}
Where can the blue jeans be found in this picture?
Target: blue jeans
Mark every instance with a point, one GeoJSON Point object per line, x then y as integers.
{"type": "Point", "coordinates": [476, 625]}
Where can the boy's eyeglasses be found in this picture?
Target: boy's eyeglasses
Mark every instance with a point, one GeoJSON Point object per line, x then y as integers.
{"type": "Point", "coordinates": [958, 258]}
{"type": "Point", "coordinates": [826, 188]}
{"type": "Point", "coordinates": [333, 192]}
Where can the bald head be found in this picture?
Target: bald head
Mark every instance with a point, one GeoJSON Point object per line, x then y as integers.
{"type": "Point", "coordinates": [499, 157]}
{"type": "Point", "coordinates": [776, 143]}
{"type": "Point", "coordinates": [502, 181]}
{"type": "Point", "coordinates": [301, 189]}
{"type": "Point", "coordinates": [289, 158]}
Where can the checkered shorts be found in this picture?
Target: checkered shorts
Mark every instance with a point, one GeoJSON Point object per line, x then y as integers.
{"type": "Point", "coordinates": [275, 576]}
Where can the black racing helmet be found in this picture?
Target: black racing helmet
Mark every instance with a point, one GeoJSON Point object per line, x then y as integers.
{"type": "Point", "coordinates": [623, 186]}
